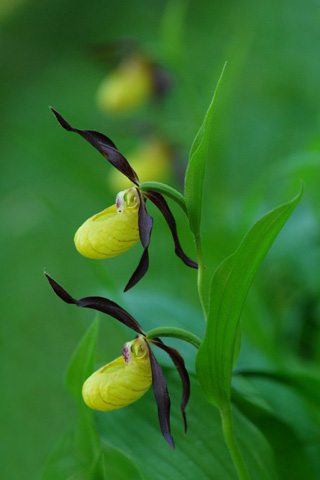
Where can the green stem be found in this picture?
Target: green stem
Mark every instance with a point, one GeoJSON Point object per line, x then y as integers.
{"type": "Point", "coordinates": [175, 333]}
{"type": "Point", "coordinates": [202, 295]}
{"type": "Point", "coordinates": [166, 190]}
{"type": "Point", "coordinates": [231, 443]}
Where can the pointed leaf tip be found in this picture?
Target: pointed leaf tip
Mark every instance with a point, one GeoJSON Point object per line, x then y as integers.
{"type": "Point", "coordinates": [195, 173]}
{"type": "Point", "coordinates": [229, 287]}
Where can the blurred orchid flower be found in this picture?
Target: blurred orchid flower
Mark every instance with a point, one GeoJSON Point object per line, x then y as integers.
{"type": "Point", "coordinates": [134, 79]}
{"type": "Point", "coordinates": [127, 378]}
{"type": "Point", "coordinates": [126, 87]}
{"type": "Point", "coordinates": [145, 222]}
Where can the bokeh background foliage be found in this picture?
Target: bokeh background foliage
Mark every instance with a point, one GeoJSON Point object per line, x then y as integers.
{"type": "Point", "coordinates": [264, 139]}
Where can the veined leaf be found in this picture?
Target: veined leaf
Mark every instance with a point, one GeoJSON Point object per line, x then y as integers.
{"type": "Point", "coordinates": [82, 361]}
{"type": "Point", "coordinates": [64, 463]}
{"type": "Point", "coordinates": [86, 442]}
{"type": "Point", "coordinates": [306, 383]}
{"type": "Point", "coordinates": [79, 454]}
{"type": "Point", "coordinates": [229, 288]}
{"type": "Point", "coordinates": [289, 446]}
{"type": "Point", "coordinates": [193, 189]}
{"type": "Point", "coordinates": [201, 453]}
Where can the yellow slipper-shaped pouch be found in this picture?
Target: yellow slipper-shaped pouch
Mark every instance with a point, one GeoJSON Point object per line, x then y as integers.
{"type": "Point", "coordinates": [112, 231]}
{"type": "Point", "coordinates": [122, 381]}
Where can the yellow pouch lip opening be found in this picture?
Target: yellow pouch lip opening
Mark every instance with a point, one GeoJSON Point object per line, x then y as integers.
{"type": "Point", "coordinates": [105, 213]}
{"type": "Point", "coordinates": [113, 366]}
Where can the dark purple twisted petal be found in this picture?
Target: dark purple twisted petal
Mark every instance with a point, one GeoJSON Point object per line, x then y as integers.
{"type": "Point", "coordinates": [161, 203]}
{"type": "Point", "coordinates": [100, 304]}
{"type": "Point", "coordinates": [162, 397]}
{"type": "Point", "coordinates": [179, 364]}
{"type": "Point", "coordinates": [145, 223]}
{"type": "Point", "coordinates": [104, 145]}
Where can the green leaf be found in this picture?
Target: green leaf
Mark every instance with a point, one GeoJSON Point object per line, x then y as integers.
{"type": "Point", "coordinates": [199, 454]}
{"type": "Point", "coordinates": [82, 362]}
{"type": "Point", "coordinates": [117, 465]}
{"type": "Point", "coordinates": [305, 382]}
{"type": "Point", "coordinates": [79, 454]}
{"type": "Point", "coordinates": [193, 189]}
{"type": "Point", "coordinates": [87, 445]}
{"type": "Point", "coordinates": [61, 463]}
{"type": "Point", "coordinates": [86, 442]}
{"type": "Point", "coordinates": [229, 288]}
{"type": "Point", "coordinates": [64, 463]}
{"type": "Point", "coordinates": [286, 438]}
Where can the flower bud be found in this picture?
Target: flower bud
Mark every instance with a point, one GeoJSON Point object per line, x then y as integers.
{"type": "Point", "coordinates": [122, 381]}
{"type": "Point", "coordinates": [126, 87]}
{"type": "Point", "coordinates": [112, 231]}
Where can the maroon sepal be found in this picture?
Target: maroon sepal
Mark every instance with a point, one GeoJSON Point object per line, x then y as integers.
{"type": "Point", "coordinates": [104, 145]}
{"type": "Point", "coordinates": [180, 366]}
{"type": "Point", "coordinates": [145, 223]}
{"type": "Point", "coordinates": [114, 51]}
{"type": "Point", "coordinates": [162, 81]}
{"type": "Point", "coordinates": [162, 398]}
{"type": "Point", "coordinates": [162, 205]}
{"type": "Point", "coordinates": [100, 304]}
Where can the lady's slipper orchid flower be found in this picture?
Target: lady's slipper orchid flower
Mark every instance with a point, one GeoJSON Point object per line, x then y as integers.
{"type": "Point", "coordinates": [114, 385]}
{"type": "Point", "coordinates": [112, 231]}
{"type": "Point", "coordinates": [128, 86]}
{"type": "Point", "coordinates": [122, 381]}
{"type": "Point", "coordinates": [134, 79]}
{"type": "Point", "coordinates": [145, 222]}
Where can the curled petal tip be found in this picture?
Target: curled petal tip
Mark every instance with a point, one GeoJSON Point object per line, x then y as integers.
{"type": "Point", "coordinates": [60, 291]}
{"type": "Point", "coordinates": [100, 304]}
{"type": "Point", "coordinates": [104, 145]}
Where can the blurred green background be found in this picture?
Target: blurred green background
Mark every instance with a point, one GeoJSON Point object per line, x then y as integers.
{"type": "Point", "coordinates": [264, 140]}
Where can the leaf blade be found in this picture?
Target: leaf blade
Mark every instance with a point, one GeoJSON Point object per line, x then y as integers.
{"type": "Point", "coordinates": [229, 288]}
{"type": "Point", "coordinates": [193, 188]}
{"type": "Point", "coordinates": [198, 454]}
{"type": "Point", "coordinates": [82, 362]}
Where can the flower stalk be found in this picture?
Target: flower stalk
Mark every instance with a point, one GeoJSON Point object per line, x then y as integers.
{"type": "Point", "coordinates": [201, 290]}
{"type": "Point", "coordinates": [173, 332]}
{"type": "Point", "coordinates": [166, 190]}
{"type": "Point", "coordinates": [227, 429]}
